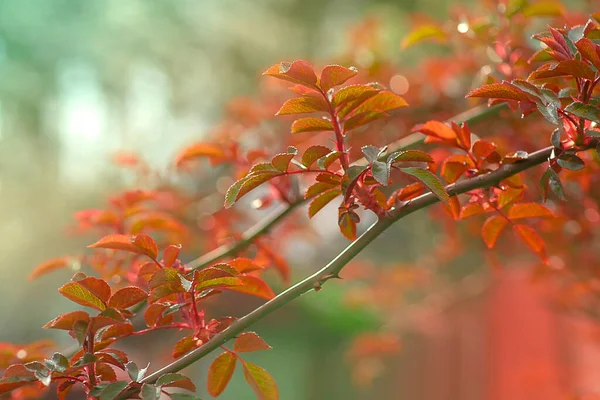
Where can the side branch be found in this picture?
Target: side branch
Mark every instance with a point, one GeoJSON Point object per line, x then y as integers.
{"type": "Point", "coordinates": [247, 238]}
{"type": "Point", "coordinates": [333, 269]}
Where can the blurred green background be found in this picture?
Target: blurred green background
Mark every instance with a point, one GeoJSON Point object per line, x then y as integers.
{"type": "Point", "coordinates": [80, 80]}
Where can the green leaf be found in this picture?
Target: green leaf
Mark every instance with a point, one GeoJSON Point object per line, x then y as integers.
{"type": "Point", "coordinates": [80, 331]}
{"type": "Point", "coordinates": [429, 180]}
{"type": "Point", "coordinates": [555, 139]}
{"type": "Point", "coordinates": [370, 152]}
{"type": "Point", "coordinates": [150, 392]}
{"type": "Point", "coordinates": [381, 172]}
{"type": "Point", "coordinates": [551, 178]}
{"type": "Point", "coordinates": [58, 363]}
{"type": "Point", "coordinates": [134, 372]}
{"type": "Point", "coordinates": [41, 372]}
{"type": "Point", "coordinates": [112, 390]}
{"type": "Point", "coordinates": [570, 161]}
{"type": "Point", "coordinates": [86, 359]}
{"type": "Point", "coordinates": [586, 111]}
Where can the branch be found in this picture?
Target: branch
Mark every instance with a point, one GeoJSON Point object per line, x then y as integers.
{"type": "Point", "coordinates": [247, 238]}
{"type": "Point", "coordinates": [333, 269]}
{"type": "Point", "coordinates": [471, 116]}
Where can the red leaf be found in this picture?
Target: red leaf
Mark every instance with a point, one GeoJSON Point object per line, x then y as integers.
{"type": "Point", "coordinates": [311, 125]}
{"type": "Point", "coordinates": [254, 286]}
{"type": "Point", "coordinates": [411, 156]}
{"type": "Point", "coordinates": [454, 166]}
{"type": "Point", "coordinates": [503, 91]}
{"type": "Point", "coordinates": [146, 244]}
{"type": "Point", "coordinates": [589, 51]}
{"type": "Point", "coordinates": [299, 71]}
{"type": "Point", "coordinates": [117, 242]}
{"type": "Point", "coordinates": [529, 210]}
{"type": "Point", "coordinates": [49, 266]}
{"type": "Point", "coordinates": [573, 68]}
{"type": "Point", "coordinates": [261, 382]}
{"type": "Point", "coordinates": [334, 75]}
{"type": "Point", "coordinates": [248, 342]}
{"type": "Point", "coordinates": [220, 373]}
{"type": "Point", "coordinates": [66, 321]}
{"type": "Point", "coordinates": [118, 331]}
{"type": "Point", "coordinates": [170, 255]}
{"type": "Point", "coordinates": [482, 149]}
{"type": "Point", "coordinates": [322, 200]}
{"type": "Point", "coordinates": [127, 297]}
{"type": "Point", "coordinates": [492, 228]}
{"type": "Point", "coordinates": [212, 151]}
{"type": "Point", "coordinates": [313, 153]}
{"type": "Point", "coordinates": [531, 238]}
{"type": "Point", "coordinates": [305, 104]}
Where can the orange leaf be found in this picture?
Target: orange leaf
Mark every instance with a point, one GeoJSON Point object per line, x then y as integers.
{"type": "Point", "coordinates": [436, 129]}
{"type": "Point", "coordinates": [147, 244]}
{"type": "Point", "coordinates": [311, 125]}
{"type": "Point", "coordinates": [492, 228]}
{"type": "Point", "coordinates": [170, 255]}
{"type": "Point", "coordinates": [299, 71]}
{"type": "Point", "coordinates": [127, 297]}
{"type": "Point", "coordinates": [532, 239]}
{"type": "Point", "coordinates": [510, 195]}
{"type": "Point", "coordinates": [482, 149]}
{"type": "Point", "coordinates": [383, 101]}
{"type": "Point", "coordinates": [220, 373]}
{"type": "Point", "coordinates": [176, 380]}
{"type": "Point", "coordinates": [153, 315]}
{"type": "Point", "coordinates": [184, 345]}
{"type": "Point", "coordinates": [199, 150]}
{"type": "Point", "coordinates": [49, 266]}
{"type": "Point", "coordinates": [313, 153]}
{"type": "Point", "coordinates": [118, 331]}
{"type": "Point", "coordinates": [334, 75]}
{"type": "Point", "coordinates": [304, 104]}
{"type": "Point", "coordinates": [244, 265]}
{"type": "Point", "coordinates": [248, 342]}
{"type": "Point", "coordinates": [117, 242]}
{"type": "Point", "coordinates": [254, 286]}
{"type": "Point", "coordinates": [470, 210]}
{"type": "Point", "coordinates": [261, 382]}
{"type": "Point", "coordinates": [529, 210]}
{"type": "Point", "coordinates": [354, 94]}
{"type": "Point", "coordinates": [318, 188]}
{"type": "Point", "coordinates": [148, 270]}
{"type": "Point", "coordinates": [322, 200]}
{"type": "Point", "coordinates": [347, 221]}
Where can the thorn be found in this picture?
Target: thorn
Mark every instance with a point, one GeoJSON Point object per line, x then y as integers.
{"type": "Point", "coordinates": [317, 286]}
{"type": "Point", "coordinates": [330, 276]}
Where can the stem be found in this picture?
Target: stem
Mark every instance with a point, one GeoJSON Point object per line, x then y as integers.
{"type": "Point", "coordinates": [333, 269]}
{"type": "Point", "coordinates": [247, 237]}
